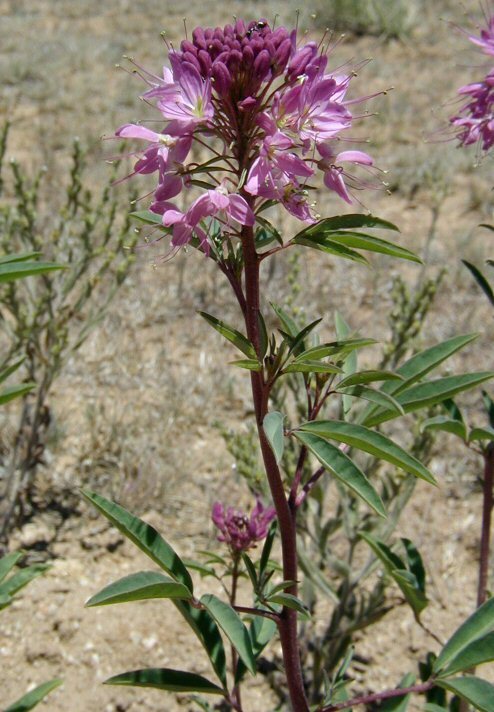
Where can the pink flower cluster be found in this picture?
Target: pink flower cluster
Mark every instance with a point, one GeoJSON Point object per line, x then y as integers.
{"type": "Point", "coordinates": [474, 122]}
{"type": "Point", "coordinates": [240, 531]}
{"type": "Point", "coordinates": [268, 113]}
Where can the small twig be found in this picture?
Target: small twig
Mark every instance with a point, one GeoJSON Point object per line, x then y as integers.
{"type": "Point", "coordinates": [378, 696]}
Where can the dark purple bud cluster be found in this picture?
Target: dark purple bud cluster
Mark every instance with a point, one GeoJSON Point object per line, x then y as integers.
{"type": "Point", "coordinates": [240, 57]}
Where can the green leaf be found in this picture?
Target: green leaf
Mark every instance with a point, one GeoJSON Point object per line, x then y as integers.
{"type": "Point", "coordinates": [481, 281]}
{"type": "Point", "coordinates": [143, 535]}
{"type": "Point", "coordinates": [273, 429]}
{"type": "Point", "coordinates": [18, 257]}
{"type": "Point", "coordinates": [250, 364]}
{"type": "Point", "coordinates": [408, 583]}
{"type": "Point", "coordinates": [374, 396]}
{"type": "Point", "coordinates": [287, 322]}
{"type": "Point", "coordinates": [346, 222]}
{"type": "Point", "coordinates": [479, 624]}
{"type": "Point", "coordinates": [18, 270]}
{"type": "Point", "coordinates": [232, 335]}
{"type": "Point", "coordinates": [27, 702]}
{"type": "Point", "coordinates": [424, 395]}
{"type": "Point", "coordinates": [323, 243]}
{"type": "Point", "coordinates": [448, 425]}
{"type": "Point", "coordinates": [10, 370]}
{"type": "Point", "coordinates": [334, 348]}
{"type": "Point", "coordinates": [415, 563]}
{"type": "Point", "coordinates": [208, 633]}
{"type": "Point", "coordinates": [481, 434]}
{"type": "Point", "coordinates": [268, 545]}
{"type": "Point", "coordinates": [261, 631]}
{"type": "Point", "coordinates": [311, 367]}
{"type": "Point", "coordinates": [361, 377]}
{"type": "Point", "coordinates": [266, 234]}
{"type": "Point", "coordinates": [474, 690]}
{"type": "Point", "coordinates": [21, 578]}
{"type": "Point", "coordinates": [289, 601]}
{"type": "Point", "coordinates": [251, 570]}
{"type": "Point", "coordinates": [343, 469]}
{"type": "Point", "coordinates": [362, 241]}
{"type": "Point", "coordinates": [150, 218]}
{"type": "Point", "coordinates": [419, 366]}
{"type": "Point", "coordinates": [296, 343]}
{"type": "Point", "coordinates": [140, 587]}
{"type": "Point", "coordinates": [426, 361]}
{"type": "Point", "coordinates": [166, 679]}
{"type": "Point", "coordinates": [8, 562]}
{"type": "Point", "coordinates": [5, 601]}
{"type": "Point", "coordinates": [371, 442]}
{"type": "Point", "coordinates": [229, 622]}
{"type": "Point", "coordinates": [478, 652]}
{"type": "Point", "coordinates": [8, 394]}
{"type": "Point", "coordinates": [153, 545]}
{"type": "Point", "coordinates": [489, 406]}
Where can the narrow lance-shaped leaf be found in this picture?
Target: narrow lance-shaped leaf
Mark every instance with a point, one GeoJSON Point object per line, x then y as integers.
{"type": "Point", "coordinates": [373, 395]}
{"type": "Point", "coordinates": [9, 370]}
{"type": "Point", "coordinates": [290, 601]}
{"type": "Point", "coordinates": [419, 366]}
{"type": "Point", "coordinates": [229, 621]}
{"type": "Point", "coordinates": [232, 335]}
{"type": "Point", "coordinates": [474, 690]}
{"type": "Point", "coordinates": [18, 257]}
{"type": "Point", "coordinates": [340, 465]}
{"type": "Point", "coordinates": [430, 393]}
{"type": "Point", "coordinates": [146, 537]}
{"type": "Point", "coordinates": [362, 241]}
{"type": "Point", "coordinates": [478, 652]}
{"type": "Point", "coordinates": [166, 679]}
{"type": "Point", "coordinates": [139, 587]}
{"type": "Point", "coordinates": [273, 429]}
{"type": "Point", "coordinates": [370, 376]}
{"type": "Point", "coordinates": [323, 243]}
{"type": "Point", "coordinates": [479, 624]}
{"type": "Point", "coordinates": [143, 535]}
{"type": "Point", "coordinates": [408, 583]}
{"type": "Point", "coordinates": [8, 562]}
{"type": "Point", "coordinates": [21, 578]}
{"type": "Point", "coordinates": [481, 281]}
{"type": "Point", "coordinates": [481, 434]}
{"type": "Point", "coordinates": [12, 392]}
{"type": "Point", "coordinates": [32, 698]}
{"type": "Point", "coordinates": [18, 270]}
{"type": "Point", "coordinates": [349, 221]}
{"type": "Point", "coordinates": [371, 442]}
{"type": "Point", "coordinates": [448, 425]}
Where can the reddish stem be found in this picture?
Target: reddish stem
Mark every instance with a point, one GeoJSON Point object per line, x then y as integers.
{"type": "Point", "coordinates": [287, 623]}
{"type": "Point", "coordinates": [486, 525]}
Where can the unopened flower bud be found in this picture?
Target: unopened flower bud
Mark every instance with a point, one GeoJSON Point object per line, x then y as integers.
{"type": "Point", "coordinates": [262, 64]}
{"type": "Point", "coordinates": [221, 77]}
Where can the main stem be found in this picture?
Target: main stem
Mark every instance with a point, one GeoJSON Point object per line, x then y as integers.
{"type": "Point", "coordinates": [286, 514]}
{"type": "Point", "coordinates": [486, 525]}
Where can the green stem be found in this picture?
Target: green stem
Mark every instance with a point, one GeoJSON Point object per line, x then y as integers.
{"type": "Point", "coordinates": [486, 525]}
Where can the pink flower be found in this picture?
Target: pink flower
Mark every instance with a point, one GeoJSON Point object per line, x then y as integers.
{"type": "Point", "coordinates": [334, 174]}
{"type": "Point", "coordinates": [189, 101]}
{"type": "Point", "coordinates": [212, 203]}
{"type": "Point", "coordinates": [163, 152]}
{"type": "Point", "coordinates": [240, 531]}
